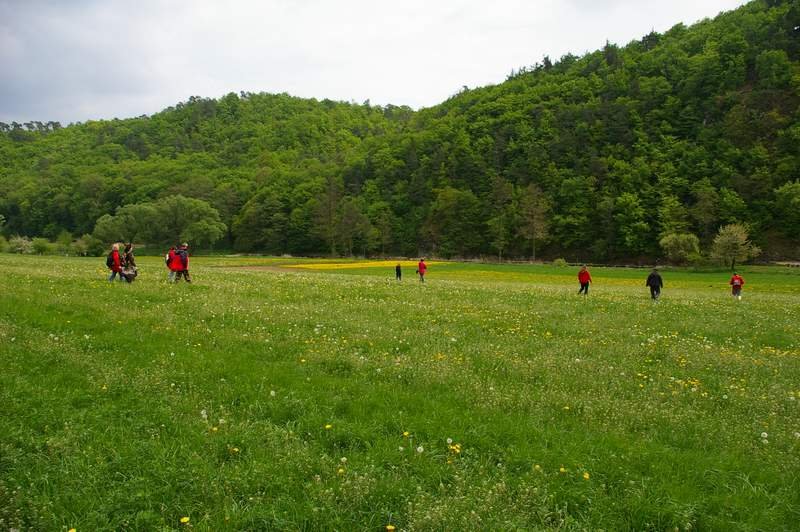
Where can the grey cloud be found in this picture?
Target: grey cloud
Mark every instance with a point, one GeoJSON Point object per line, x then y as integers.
{"type": "Point", "coordinates": [78, 60]}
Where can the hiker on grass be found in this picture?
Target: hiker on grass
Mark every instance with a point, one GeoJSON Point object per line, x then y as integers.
{"type": "Point", "coordinates": [655, 283]}
{"type": "Point", "coordinates": [129, 269]}
{"type": "Point", "coordinates": [183, 257]}
{"type": "Point", "coordinates": [736, 283]}
{"type": "Point", "coordinates": [398, 272]}
{"type": "Point", "coordinates": [584, 278]}
{"type": "Point", "coordinates": [422, 268]}
{"type": "Point", "coordinates": [114, 263]}
{"type": "Point", "coordinates": [173, 262]}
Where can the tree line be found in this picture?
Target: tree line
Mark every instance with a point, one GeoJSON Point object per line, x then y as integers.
{"type": "Point", "coordinates": [634, 152]}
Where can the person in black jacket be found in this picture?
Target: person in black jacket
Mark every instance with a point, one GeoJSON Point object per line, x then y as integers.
{"type": "Point", "coordinates": [655, 283]}
{"type": "Point", "coordinates": [182, 254]}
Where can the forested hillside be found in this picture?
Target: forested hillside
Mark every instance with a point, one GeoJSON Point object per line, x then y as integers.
{"type": "Point", "coordinates": [592, 158]}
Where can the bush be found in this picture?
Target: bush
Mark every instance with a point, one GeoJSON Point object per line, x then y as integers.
{"type": "Point", "coordinates": [88, 245]}
{"type": "Point", "coordinates": [42, 246]}
{"type": "Point", "coordinates": [20, 244]}
{"type": "Point", "coordinates": [560, 263]}
{"type": "Point", "coordinates": [3, 244]}
{"type": "Point", "coordinates": [63, 243]}
{"type": "Point", "coordinates": [680, 247]}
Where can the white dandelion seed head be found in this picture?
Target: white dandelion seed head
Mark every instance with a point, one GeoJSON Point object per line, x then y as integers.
{"type": "Point", "coordinates": [764, 435]}
{"type": "Point", "coordinates": [449, 441]}
{"type": "Point", "coordinates": [420, 449]}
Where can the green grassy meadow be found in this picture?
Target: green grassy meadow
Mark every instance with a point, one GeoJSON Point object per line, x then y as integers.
{"type": "Point", "coordinates": [278, 394]}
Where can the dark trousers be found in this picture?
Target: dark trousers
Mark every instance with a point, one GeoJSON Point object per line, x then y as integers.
{"type": "Point", "coordinates": [655, 291]}
{"type": "Point", "coordinates": [584, 289]}
{"type": "Point", "coordinates": [398, 275]}
{"type": "Point", "coordinates": [185, 274]}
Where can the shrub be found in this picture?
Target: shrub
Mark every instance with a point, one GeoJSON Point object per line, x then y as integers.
{"type": "Point", "coordinates": [560, 263]}
{"type": "Point", "coordinates": [3, 244]}
{"type": "Point", "coordinates": [20, 244]}
{"type": "Point", "coordinates": [42, 246]}
{"type": "Point", "coordinates": [680, 247]}
{"type": "Point", "coordinates": [63, 243]}
{"type": "Point", "coordinates": [88, 245]}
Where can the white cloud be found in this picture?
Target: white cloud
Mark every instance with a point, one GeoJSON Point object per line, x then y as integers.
{"type": "Point", "coordinates": [79, 60]}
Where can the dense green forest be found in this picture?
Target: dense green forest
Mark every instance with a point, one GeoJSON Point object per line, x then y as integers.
{"type": "Point", "coordinates": [598, 157]}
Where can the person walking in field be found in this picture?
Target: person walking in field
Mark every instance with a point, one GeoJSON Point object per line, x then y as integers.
{"type": "Point", "coordinates": [422, 269]}
{"type": "Point", "coordinates": [655, 283]}
{"type": "Point", "coordinates": [182, 255]}
{"type": "Point", "coordinates": [129, 269]}
{"type": "Point", "coordinates": [736, 283]}
{"type": "Point", "coordinates": [171, 260]}
{"type": "Point", "coordinates": [584, 278]}
{"type": "Point", "coordinates": [114, 263]}
{"type": "Point", "coordinates": [398, 272]}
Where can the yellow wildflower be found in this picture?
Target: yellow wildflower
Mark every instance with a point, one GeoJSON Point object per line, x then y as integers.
{"type": "Point", "coordinates": [586, 475]}
{"type": "Point", "coordinates": [184, 520]}
{"type": "Point", "coordinates": [390, 528]}
{"type": "Point", "coordinates": [328, 426]}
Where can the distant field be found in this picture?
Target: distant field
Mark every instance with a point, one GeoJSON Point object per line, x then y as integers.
{"type": "Point", "coordinates": [319, 395]}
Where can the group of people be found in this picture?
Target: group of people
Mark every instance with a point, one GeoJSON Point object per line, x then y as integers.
{"type": "Point", "coordinates": [177, 261]}
{"type": "Point", "coordinates": [422, 269]}
{"type": "Point", "coordinates": [655, 283]}
{"type": "Point", "coordinates": [123, 266]}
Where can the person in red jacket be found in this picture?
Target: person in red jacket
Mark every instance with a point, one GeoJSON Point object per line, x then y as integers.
{"type": "Point", "coordinates": [736, 283]}
{"type": "Point", "coordinates": [422, 268]}
{"type": "Point", "coordinates": [114, 263]}
{"type": "Point", "coordinates": [168, 258]}
{"type": "Point", "coordinates": [584, 278]}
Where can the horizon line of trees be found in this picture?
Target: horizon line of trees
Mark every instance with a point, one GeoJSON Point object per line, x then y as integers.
{"type": "Point", "coordinates": [340, 220]}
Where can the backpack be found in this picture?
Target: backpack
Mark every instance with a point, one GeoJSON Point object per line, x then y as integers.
{"type": "Point", "coordinates": [110, 260]}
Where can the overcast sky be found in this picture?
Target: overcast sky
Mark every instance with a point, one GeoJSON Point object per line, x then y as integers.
{"type": "Point", "coordinates": [74, 60]}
